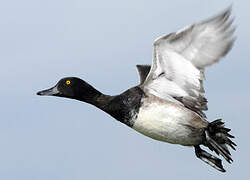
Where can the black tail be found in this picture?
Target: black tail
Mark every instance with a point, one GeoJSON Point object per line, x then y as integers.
{"type": "Point", "coordinates": [217, 139]}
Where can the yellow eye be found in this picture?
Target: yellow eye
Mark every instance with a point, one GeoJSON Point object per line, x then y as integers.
{"type": "Point", "coordinates": [68, 82]}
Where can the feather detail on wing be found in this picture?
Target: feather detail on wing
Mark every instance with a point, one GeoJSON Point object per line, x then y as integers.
{"type": "Point", "coordinates": [179, 60]}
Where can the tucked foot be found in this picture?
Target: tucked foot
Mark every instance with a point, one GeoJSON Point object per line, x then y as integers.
{"type": "Point", "coordinates": [209, 159]}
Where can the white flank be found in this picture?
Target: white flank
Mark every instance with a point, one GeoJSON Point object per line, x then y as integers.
{"type": "Point", "coordinates": [166, 122]}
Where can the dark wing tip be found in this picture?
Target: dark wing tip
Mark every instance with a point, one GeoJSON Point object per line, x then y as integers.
{"type": "Point", "coordinates": [143, 71]}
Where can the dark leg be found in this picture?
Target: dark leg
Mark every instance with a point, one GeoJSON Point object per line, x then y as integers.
{"type": "Point", "coordinates": [209, 159]}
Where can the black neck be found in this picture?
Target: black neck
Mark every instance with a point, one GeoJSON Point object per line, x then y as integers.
{"type": "Point", "coordinates": [118, 106]}
{"type": "Point", "coordinates": [94, 97]}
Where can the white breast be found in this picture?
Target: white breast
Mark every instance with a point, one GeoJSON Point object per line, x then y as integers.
{"type": "Point", "coordinates": [166, 122]}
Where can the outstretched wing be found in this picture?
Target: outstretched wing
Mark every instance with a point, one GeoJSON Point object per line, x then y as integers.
{"type": "Point", "coordinates": [179, 60]}
{"type": "Point", "coordinates": [143, 71]}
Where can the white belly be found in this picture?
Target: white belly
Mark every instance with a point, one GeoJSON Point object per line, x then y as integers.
{"type": "Point", "coordinates": [166, 122]}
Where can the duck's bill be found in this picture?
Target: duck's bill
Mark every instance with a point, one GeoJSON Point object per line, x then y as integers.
{"type": "Point", "coordinates": [49, 92]}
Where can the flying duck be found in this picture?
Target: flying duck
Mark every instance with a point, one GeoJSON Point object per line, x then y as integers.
{"type": "Point", "coordinates": [168, 104]}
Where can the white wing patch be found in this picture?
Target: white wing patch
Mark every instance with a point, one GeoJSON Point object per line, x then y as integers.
{"type": "Point", "coordinates": [179, 60]}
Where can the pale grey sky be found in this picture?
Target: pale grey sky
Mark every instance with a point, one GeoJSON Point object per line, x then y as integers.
{"type": "Point", "coordinates": [101, 42]}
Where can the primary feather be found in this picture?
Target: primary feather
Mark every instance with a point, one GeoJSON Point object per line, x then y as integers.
{"type": "Point", "coordinates": [179, 60]}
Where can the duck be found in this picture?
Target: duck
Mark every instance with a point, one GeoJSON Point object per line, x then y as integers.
{"type": "Point", "coordinates": [169, 102]}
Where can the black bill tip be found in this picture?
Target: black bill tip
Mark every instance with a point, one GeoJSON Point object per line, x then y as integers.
{"type": "Point", "coordinates": [48, 92]}
{"type": "Point", "coordinates": [39, 93]}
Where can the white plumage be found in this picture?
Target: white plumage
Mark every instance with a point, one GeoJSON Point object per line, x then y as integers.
{"type": "Point", "coordinates": [172, 110]}
{"type": "Point", "coordinates": [168, 122]}
{"type": "Point", "coordinates": [179, 60]}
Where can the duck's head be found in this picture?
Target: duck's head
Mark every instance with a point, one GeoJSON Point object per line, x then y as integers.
{"type": "Point", "coordinates": [72, 87]}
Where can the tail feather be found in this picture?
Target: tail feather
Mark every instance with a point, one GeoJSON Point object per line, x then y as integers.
{"type": "Point", "coordinates": [218, 148]}
{"type": "Point", "coordinates": [217, 139]}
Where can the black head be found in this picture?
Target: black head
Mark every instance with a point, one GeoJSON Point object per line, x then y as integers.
{"type": "Point", "coordinates": [72, 87]}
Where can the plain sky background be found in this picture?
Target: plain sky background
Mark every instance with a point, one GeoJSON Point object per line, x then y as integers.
{"type": "Point", "coordinates": [48, 138]}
